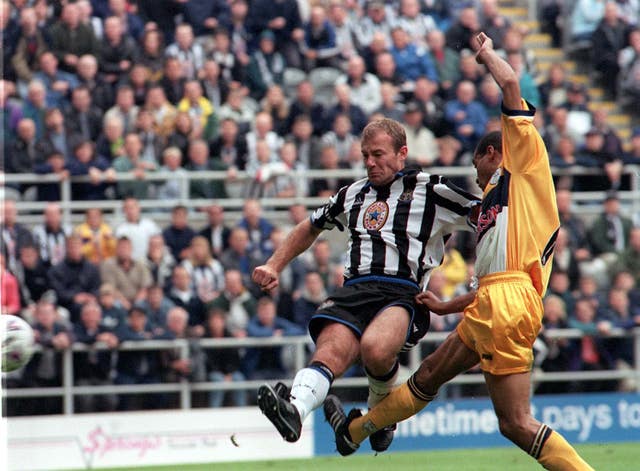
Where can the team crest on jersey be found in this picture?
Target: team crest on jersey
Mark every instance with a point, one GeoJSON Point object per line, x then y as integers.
{"type": "Point", "coordinates": [375, 216]}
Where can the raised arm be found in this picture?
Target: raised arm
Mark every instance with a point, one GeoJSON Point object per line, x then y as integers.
{"type": "Point", "coordinates": [500, 70]}
{"type": "Point", "coordinates": [299, 239]}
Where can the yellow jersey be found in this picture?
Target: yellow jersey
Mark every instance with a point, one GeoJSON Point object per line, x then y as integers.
{"type": "Point", "coordinates": [519, 222]}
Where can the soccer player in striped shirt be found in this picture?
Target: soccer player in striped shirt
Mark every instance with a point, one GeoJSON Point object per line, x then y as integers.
{"type": "Point", "coordinates": [398, 219]}
{"type": "Point", "coordinates": [516, 233]}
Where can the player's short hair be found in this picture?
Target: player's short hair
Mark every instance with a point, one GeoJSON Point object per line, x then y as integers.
{"type": "Point", "coordinates": [388, 126]}
{"type": "Point", "coordinates": [493, 138]}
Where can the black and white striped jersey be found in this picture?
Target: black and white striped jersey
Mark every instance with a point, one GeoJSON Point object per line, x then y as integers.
{"type": "Point", "coordinates": [398, 230]}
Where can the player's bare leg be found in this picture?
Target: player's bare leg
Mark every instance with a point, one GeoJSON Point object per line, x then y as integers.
{"type": "Point", "coordinates": [337, 348]}
{"type": "Point", "coordinates": [510, 395]}
{"type": "Point", "coordinates": [379, 348]}
{"type": "Point", "coordinates": [450, 359]}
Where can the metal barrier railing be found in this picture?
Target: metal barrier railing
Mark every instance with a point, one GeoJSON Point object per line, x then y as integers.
{"type": "Point", "coordinates": [68, 391]}
{"type": "Point", "coordinates": [630, 198]}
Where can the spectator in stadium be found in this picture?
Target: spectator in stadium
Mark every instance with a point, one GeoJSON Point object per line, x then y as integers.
{"type": "Point", "coordinates": [566, 157]}
{"type": "Point", "coordinates": [100, 91]}
{"type": "Point", "coordinates": [189, 53]}
{"type": "Point", "coordinates": [514, 43]}
{"type": "Point", "coordinates": [340, 136]}
{"type": "Point", "coordinates": [83, 117]}
{"type": "Point", "coordinates": [389, 102]}
{"type": "Point", "coordinates": [420, 139]}
{"type": "Point", "coordinates": [50, 236]}
{"type": "Point", "coordinates": [57, 136]}
{"type": "Point", "coordinates": [470, 70]}
{"type": "Point", "coordinates": [553, 90]}
{"type": "Point", "coordinates": [214, 87]}
{"type": "Point", "coordinates": [75, 280]}
{"type": "Point", "coordinates": [85, 162]}
{"type": "Point", "coordinates": [237, 302]}
{"type": "Point", "coordinates": [159, 260]}
{"type": "Point", "coordinates": [171, 163]}
{"type": "Point", "coordinates": [343, 24]}
{"type": "Point", "coordinates": [223, 364]}
{"type": "Point", "coordinates": [31, 274]}
{"type": "Point", "coordinates": [630, 258]}
{"type": "Point", "coordinates": [28, 47]}
{"type": "Point", "coordinates": [612, 143]}
{"type": "Point", "coordinates": [445, 59]}
{"type": "Point", "coordinates": [124, 108]}
{"type": "Point", "coordinates": [14, 234]}
{"type": "Point", "coordinates": [130, 277]}
{"type": "Point", "coordinates": [508, 381]}
{"type": "Point", "coordinates": [268, 362]}
{"type": "Point", "coordinates": [93, 368]}
{"type": "Point", "coordinates": [589, 353]}
{"type": "Point", "coordinates": [282, 17]}
{"type": "Point", "coordinates": [463, 29]}
{"type": "Point", "coordinates": [425, 93]}
{"type": "Point", "coordinates": [150, 54]}
{"type": "Point", "coordinates": [138, 79]}
{"type": "Point", "coordinates": [312, 295]}
{"type": "Point", "coordinates": [118, 51]}
{"type": "Point", "coordinates": [610, 232]}
{"type": "Point", "coordinates": [216, 232]}
{"type": "Point", "coordinates": [199, 109]}
{"type": "Point", "coordinates": [304, 103]}
{"type": "Point", "coordinates": [198, 154]}
{"type": "Point", "coordinates": [173, 80]}
{"type": "Point", "coordinates": [230, 146]}
{"type": "Point", "coordinates": [585, 17]}
{"type": "Point", "coordinates": [374, 21]}
{"type": "Point", "coordinates": [25, 152]}
{"type": "Point", "coordinates": [137, 366]}
{"type": "Point", "coordinates": [266, 67]}
{"type": "Point", "coordinates": [492, 22]}
{"type": "Point", "coordinates": [136, 228]}
{"type": "Point", "coordinates": [34, 105]}
{"type": "Point", "coordinates": [565, 258]}
{"type": "Point", "coordinates": [206, 16]}
{"type": "Point", "coordinates": [558, 349]}
{"type": "Point", "coordinates": [319, 47]}
{"type": "Point", "coordinates": [276, 104]}
{"type": "Point", "coordinates": [9, 289]}
{"type": "Point", "coordinates": [45, 368]}
{"type": "Point", "coordinates": [344, 105]}
{"type": "Point", "coordinates": [71, 39]}
{"type": "Point", "coordinates": [131, 22]}
{"type": "Point", "coordinates": [114, 316]}
{"type": "Point", "coordinates": [560, 285]}
{"type": "Point", "coordinates": [608, 39]}
{"type": "Point", "coordinates": [54, 164]}
{"type": "Point", "coordinates": [238, 255]}
{"type": "Point", "coordinates": [178, 234]}
{"type": "Point", "coordinates": [411, 62]}
{"type": "Point", "coordinates": [412, 20]}
{"type": "Point", "coordinates": [239, 108]}
{"type": "Point", "coordinates": [365, 87]}
{"type": "Point", "coordinates": [579, 119]}
{"type": "Point", "coordinates": [181, 293]}
{"type": "Point", "coordinates": [138, 164]}
{"type": "Point", "coordinates": [611, 164]}
{"type": "Point", "coordinates": [466, 115]}
{"type": "Point", "coordinates": [207, 273]}
{"type": "Point", "coordinates": [527, 82]}
{"type": "Point", "coordinates": [156, 306]}
{"type": "Point", "coordinates": [175, 365]}
{"type": "Point", "coordinates": [163, 112]}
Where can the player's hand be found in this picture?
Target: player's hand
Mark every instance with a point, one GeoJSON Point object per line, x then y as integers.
{"type": "Point", "coordinates": [481, 43]}
{"type": "Point", "coordinates": [431, 302]}
{"type": "Point", "coordinates": [265, 277]}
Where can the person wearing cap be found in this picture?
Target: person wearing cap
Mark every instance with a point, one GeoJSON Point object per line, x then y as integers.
{"type": "Point", "coordinates": [421, 142]}
{"type": "Point", "coordinates": [266, 66]}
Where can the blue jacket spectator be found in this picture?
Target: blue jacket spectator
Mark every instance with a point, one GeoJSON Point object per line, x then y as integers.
{"type": "Point", "coordinates": [267, 362]}
{"type": "Point", "coordinates": [467, 117]}
{"type": "Point", "coordinates": [86, 163]}
{"type": "Point", "coordinates": [178, 234]}
{"type": "Point", "coordinates": [58, 83]}
{"type": "Point", "coordinates": [411, 62]}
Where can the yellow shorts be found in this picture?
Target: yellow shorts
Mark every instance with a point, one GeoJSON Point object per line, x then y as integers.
{"type": "Point", "coordinates": [502, 323]}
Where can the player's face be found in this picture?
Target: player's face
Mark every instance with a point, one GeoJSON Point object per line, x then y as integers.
{"type": "Point", "coordinates": [486, 164]}
{"type": "Point", "coordinates": [380, 158]}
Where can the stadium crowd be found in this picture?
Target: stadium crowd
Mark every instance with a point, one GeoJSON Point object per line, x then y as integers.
{"type": "Point", "coordinates": [96, 88]}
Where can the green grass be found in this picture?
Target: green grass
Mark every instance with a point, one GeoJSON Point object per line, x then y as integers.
{"type": "Point", "coordinates": [609, 457]}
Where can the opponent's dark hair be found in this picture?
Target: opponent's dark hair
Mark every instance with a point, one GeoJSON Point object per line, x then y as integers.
{"type": "Point", "coordinates": [493, 138]}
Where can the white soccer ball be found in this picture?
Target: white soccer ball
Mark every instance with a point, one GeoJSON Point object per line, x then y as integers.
{"type": "Point", "coordinates": [17, 342]}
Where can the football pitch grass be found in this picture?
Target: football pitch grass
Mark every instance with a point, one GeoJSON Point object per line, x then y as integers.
{"type": "Point", "coordinates": [605, 457]}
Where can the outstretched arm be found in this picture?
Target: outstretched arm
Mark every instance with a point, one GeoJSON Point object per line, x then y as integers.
{"type": "Point", "coordinates": [500, 70]}
{"type": "Point", "coordinates": [441, 308]}
{"type": "Point", "coordinates": [299, 239]}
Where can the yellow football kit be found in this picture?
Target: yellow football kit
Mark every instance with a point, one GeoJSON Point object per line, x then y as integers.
{"type": "Point", "coordinates": [516, 233]}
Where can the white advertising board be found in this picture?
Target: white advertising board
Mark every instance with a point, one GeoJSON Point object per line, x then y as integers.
{"type": "Point", "coordinates": [93, 441]}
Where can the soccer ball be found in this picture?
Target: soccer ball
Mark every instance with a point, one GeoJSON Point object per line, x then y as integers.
{"type": "Point", "coordinates": [17, 342]}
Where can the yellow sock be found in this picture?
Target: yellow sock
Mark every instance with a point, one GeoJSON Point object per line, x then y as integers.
{"type": "Point", "coordinates": [399, 405]}
{"type": "Point", "coordinates": [558, 455]}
